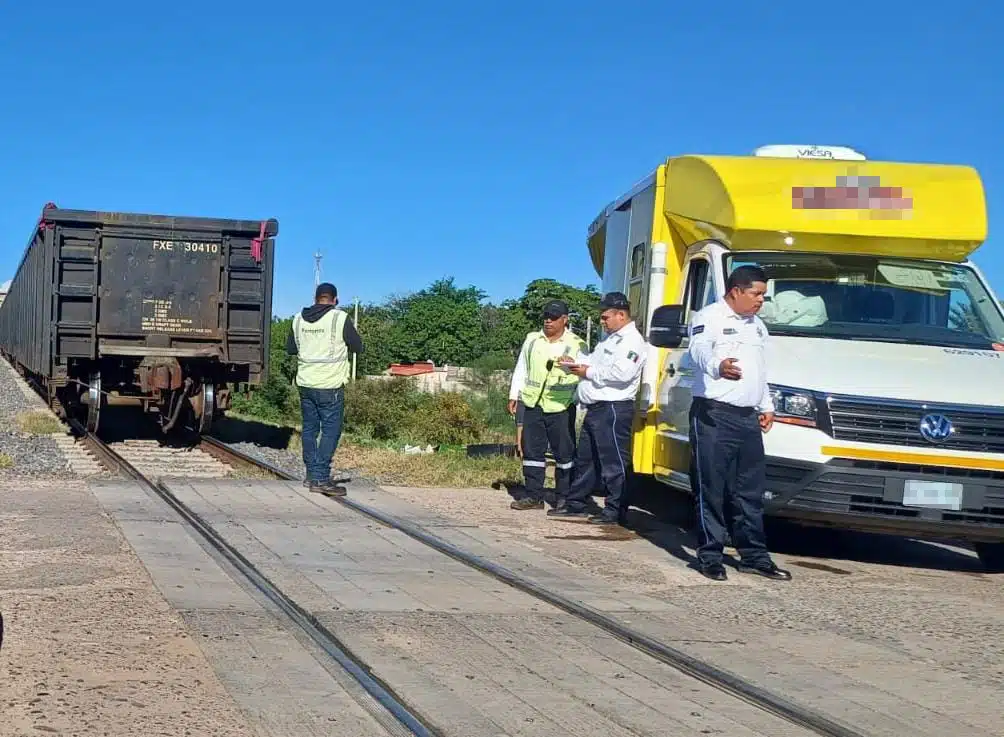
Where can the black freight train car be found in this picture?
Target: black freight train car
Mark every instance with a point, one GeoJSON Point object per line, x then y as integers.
{"type": "Point", "coordinates": [172, 313]}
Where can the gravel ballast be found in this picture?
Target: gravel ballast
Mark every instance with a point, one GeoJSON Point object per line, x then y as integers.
{"type": "Point", "coordinates": [23, 454]}
{"type": "Point", "coordinates": [284, 460]}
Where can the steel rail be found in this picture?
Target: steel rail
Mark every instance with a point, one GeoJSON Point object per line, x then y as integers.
{"type": "Point", "coordinates": [701, 670]}
{"type": "Point", "coordinates": [311, 626]}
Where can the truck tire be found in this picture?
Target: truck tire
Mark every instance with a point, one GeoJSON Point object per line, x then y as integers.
{"type": "Point", "coordinates": [991, 556]}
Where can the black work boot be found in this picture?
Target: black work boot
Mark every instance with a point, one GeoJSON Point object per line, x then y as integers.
{"type": "Point", "coordinates": [564, 512]}
{"type": "Point", "coordinates": [328, 488]}
{"type": "Point", "coordinates": [767, 569]}
{"type": "Point", "coordinates": [604, 519]}
{"type": "Point", "coordinates": [714, 571]}
{"type": "Point", "coordinates": [527, 502]}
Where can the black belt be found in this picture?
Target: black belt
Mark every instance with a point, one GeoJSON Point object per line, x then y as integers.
{"type": "Point", "coordinates": [725, 407]}
{"type": "Point", "coordinates": [605, 402]}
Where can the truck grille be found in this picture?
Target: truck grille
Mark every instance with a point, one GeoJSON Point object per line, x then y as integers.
{"type": "Point", "coordinates": [899, 423]}
{"type": "Point", "coordinates": [860, 487]}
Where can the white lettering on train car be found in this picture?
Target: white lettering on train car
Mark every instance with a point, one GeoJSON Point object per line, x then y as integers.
{"type": "Point", "coordinates": [186, 246]}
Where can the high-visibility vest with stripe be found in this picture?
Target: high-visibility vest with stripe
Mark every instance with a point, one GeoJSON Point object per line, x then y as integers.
{"type": "Point", "coordinates": [322, 356]}
{"type": "Point", "coordinates": [554, 390]}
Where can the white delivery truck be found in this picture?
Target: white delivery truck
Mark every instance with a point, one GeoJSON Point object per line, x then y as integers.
{"type": "Point", "coordinates": [886, 356]}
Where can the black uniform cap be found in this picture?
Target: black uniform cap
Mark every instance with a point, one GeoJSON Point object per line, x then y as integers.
{"type": "Point", "coordinates": [555, 309]}
{"type": "Point", "coordinates": [615, 301]}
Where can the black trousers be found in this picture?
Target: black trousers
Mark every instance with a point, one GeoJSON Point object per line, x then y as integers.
{"type": "Point", "coordinates": [727, 474]}
{"type": "Point", "coordinates": [604, 450]}
{"type": "Point", "coordinates": [540, 430]}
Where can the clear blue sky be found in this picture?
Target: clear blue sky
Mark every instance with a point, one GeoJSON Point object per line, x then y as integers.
{"type": "Point", "coordinates": [413, 140]}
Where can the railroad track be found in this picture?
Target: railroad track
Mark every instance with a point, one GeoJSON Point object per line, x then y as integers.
{"type": "Point", "coordinates": [315, 630]}
{"type": "Point", "coordinates": [140, 461]}
{"type": "Point", "coordinates": [694, 667]}
{"type": "Point", "coordinates": [215, 459]}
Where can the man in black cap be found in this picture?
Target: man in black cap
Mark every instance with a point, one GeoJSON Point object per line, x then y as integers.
{"type": "Point", "coordinates": [611, 377]}
{"type": "Point", "coordinates": [547, 393]}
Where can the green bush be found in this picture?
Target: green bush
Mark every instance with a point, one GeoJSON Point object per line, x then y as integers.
{"type": "Point", "coordinates": [445, 419]}
{"type": "Point", "coordinates": [394, 410]}
{"type": "Point", "coordinates": [380, 409]}
{"type": "Point", "coordinates": [275, 401]}
{"type": "Point", "coordinates": [485, 371]}
{"type": "Point", "coordinates": [492, 406]}
{"type": "Point", "coordinates": [494, 361]}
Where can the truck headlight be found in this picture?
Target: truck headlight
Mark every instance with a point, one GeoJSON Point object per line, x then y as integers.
{"type": "Point", "coordinates": [793, 406]}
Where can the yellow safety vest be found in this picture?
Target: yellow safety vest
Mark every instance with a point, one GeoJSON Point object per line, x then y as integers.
{"type": "Point", "coordinates": [554, 390]}
{"type": "Point", "coordinates": [322, 356]}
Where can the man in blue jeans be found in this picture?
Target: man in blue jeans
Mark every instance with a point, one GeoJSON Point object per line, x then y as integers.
{"type": "Point", "coordinates": [321, 339]}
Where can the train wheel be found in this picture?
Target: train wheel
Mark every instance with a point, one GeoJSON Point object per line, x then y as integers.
{"type": "Point", "coordinates": [94, 400]}
{"type": "Point", "coordinates": [208, 408]}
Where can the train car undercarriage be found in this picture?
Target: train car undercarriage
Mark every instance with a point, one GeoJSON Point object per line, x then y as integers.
{"type": "Point", "coordinates": [185, 397]}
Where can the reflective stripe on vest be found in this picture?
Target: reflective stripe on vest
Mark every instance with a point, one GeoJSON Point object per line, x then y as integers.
{"type": "Point", "coordinates": [322, 356]}
{"type": "Point", "coordinates": [560, 390]}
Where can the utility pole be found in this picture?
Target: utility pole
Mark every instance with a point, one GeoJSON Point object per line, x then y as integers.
{"type": "Point", "coordinates": [355, 320]}
{"type": "Point", "coordinates": [589, 333]}
{"type": "Point", "coordinates": [317, 268]}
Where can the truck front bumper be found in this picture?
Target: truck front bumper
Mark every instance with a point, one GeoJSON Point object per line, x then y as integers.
{"type": "Point", "coordinates": [869, 496]}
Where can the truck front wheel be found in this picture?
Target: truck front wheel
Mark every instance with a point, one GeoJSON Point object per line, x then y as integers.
{"type": "Point", "coordinates": [991, 556]}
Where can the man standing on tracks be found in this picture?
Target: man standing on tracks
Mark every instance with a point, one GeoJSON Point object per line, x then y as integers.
{"type": "Point", "coordinates": [321, 339]}
{"type": "Point", "coordinates": [547, 393]}
{"type": "Point", "coordinates": [611, 376]}
{"type": "Point", "coordinates": [732, 408]}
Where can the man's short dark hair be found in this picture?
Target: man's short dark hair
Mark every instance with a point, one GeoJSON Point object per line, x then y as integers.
{"type": "Point", "coordinates": [325, 290]}
{"type": "Point", "coordinates": [744, 278]}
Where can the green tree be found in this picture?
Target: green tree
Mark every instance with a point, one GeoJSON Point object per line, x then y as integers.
{"type": "Point", "coordinates": [442, 323]}
{"type": "Point", "coordinates": [376, 328]}
{"type": "Point", "coordinates": [503, 328]}
{"type": "Point", "coordinates": [583, 303]}
{"type": "Point", "coordinates": [280, 362]}
{"type": "Point", "coordinates": [446, 323]}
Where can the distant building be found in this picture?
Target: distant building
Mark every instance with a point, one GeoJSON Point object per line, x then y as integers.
{"type": "Point", "coordinates": [4, 288]}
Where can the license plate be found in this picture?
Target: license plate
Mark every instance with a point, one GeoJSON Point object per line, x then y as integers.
{"type": "Point", "coordinates": [932, 494]}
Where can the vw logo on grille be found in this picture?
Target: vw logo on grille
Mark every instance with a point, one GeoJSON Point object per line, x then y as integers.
{"type": "Point", "coordinates": [935, 428]}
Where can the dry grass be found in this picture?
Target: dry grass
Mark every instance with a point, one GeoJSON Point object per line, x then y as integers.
{"type": "Point", "coordinates": [447, 469]}
{"type": "Point", "coordinates": [385, 465]}
{"type": "Point", "coordinates": [248, 472]}
{"type": "Point", "coordinates": [6, 461]}
{"type": "Point", "coordinates": [38, 422]}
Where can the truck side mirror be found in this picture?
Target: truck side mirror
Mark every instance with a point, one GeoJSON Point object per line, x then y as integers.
{"type": "Point", "coordinates": [668, 328]}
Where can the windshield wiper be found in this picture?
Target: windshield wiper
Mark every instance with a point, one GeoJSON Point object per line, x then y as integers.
{"type": "Point", "coordinates": [835, 336]}
{"type": "Point", "coordinates": [789, 333]}
{"type": "Point", "coordinates": [898, 339]}
{"type": "Point", "coordinates": [878, 338]}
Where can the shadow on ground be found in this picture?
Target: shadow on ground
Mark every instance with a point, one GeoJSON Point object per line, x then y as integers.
{"type": "Point", "coordinates": [666, 518]}
{"type": "Point", "coordinates": [131, 423]}
{"type": "Point", "coordinates": [239, 430]}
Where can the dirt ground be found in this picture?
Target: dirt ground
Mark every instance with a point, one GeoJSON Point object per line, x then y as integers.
{"type": "Point", "coordinates": [90, 646]}
{"type": "Point", "coordinates": [929, 603]}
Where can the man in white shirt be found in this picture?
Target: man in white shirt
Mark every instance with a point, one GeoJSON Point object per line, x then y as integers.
{"type": "Point", "coordinates": [610, 378]}
{"type": "Point", "coordinates": [731, 410]}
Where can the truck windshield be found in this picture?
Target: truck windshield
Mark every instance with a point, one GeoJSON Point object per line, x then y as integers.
{"type": "Point", "coordinates": [876, 298]}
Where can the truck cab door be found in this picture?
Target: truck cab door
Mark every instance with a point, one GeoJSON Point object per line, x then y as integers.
{"type": "Point", "coordinates": [702, 285]}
